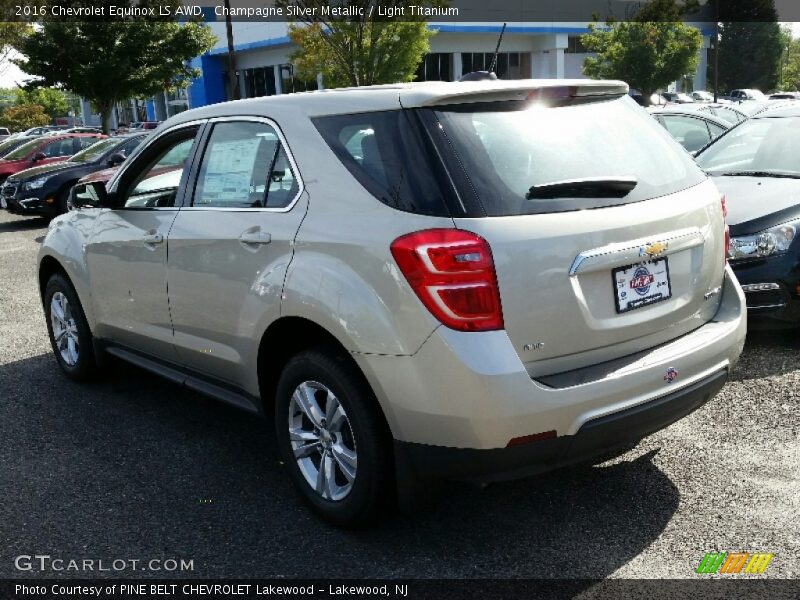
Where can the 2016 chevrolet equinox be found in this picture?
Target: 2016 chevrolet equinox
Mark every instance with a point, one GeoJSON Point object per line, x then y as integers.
{"type": "Point", "coordinates": [470, 280]}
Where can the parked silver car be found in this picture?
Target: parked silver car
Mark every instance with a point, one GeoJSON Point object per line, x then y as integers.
{"type": "Point", "coordinates": [471, 280]}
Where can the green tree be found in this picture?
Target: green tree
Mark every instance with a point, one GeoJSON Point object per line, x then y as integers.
{"type": "Point", "coordinates": [12, 30]}
{"type": "Point", "coordinates": [360, 50]}
{"type": "Point", "coordinates": [115, 60]}
{"type": "Point", "coordinates": [52, 100]}
{"type": "Point", "coordinates": [24, 116]}
{"type": "Point", "coordinates": [750, 45]}
{"type": "Point", "coordinates": [648, 53]}
{"type": "Point", "coordinates": [790, 69]}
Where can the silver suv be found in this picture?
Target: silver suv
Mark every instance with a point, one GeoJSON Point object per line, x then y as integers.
{"type": "Point", "coordinates": [473, 280]}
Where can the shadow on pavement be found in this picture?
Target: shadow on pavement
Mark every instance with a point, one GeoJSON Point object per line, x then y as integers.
{"type": "Point", "coordinates": [768, 353]}
{"type": "Point", "coordinates": [135, 467]}
{"type": "Point", "coordinates": [24, 224]}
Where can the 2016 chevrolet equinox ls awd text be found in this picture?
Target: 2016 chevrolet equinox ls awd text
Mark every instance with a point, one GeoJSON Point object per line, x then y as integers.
{"type": "Point", "coordinates": [469, 280]}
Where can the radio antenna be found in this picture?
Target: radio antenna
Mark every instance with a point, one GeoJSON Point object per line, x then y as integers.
{"type": "Point", "coordinates": [497, 49]}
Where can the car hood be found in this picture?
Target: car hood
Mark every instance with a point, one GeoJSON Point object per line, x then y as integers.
{"type": "Point", "coordinates": [103, 175]}
{"type": "Point", "coordinates": [44, 170]}
{"type": "Point", "coordinates": [753, 199]}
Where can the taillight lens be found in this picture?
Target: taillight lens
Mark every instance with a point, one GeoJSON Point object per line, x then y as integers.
{"type": "Point", "coordinates": [452, 273]}
{"type": "Point", "coordinates": [727, 248]}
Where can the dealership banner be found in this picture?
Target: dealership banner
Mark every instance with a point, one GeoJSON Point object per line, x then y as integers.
{"type": "Point", "coordinates": [444, 11]}
{"type": "Point", "coordinates": [529, 589]}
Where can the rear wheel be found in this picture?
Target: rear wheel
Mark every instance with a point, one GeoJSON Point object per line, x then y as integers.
{"type": "Point", "coordinates": [69, 332]}
{"type": "Point", "coordinates": [333, 438]}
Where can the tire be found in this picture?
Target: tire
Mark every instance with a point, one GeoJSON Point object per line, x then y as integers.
{"type": "Point", "coordinates": [357, 429]}
{"type": "Point", "coordinates": [70, 336]}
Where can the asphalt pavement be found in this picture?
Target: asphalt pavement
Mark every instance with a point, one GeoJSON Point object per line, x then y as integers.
{"type": "Point", "coordinates": [133, 467]}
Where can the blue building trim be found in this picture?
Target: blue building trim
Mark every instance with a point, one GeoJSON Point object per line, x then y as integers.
{"type": "Point", "coordinates": [209, 88]}
{"type": "Point", "coordinates": [252, 45]}
{"type": "Point", "coordinates": [510, 29]}
{"type": "Point", "coordinates": [150, 107]}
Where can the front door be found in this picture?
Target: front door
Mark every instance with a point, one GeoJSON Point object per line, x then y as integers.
{"type": "Point", "coordinates": [230, 246]}
{"type": "Point", "coordinates": [127, 255]}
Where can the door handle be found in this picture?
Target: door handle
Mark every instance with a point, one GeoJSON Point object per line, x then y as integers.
{"type": "Point", "coordinates": [152, 238]}
{"type": "Point", "coordinates": [255, 237]}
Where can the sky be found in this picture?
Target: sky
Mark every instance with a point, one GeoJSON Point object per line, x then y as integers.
{"type": "Point", "coordinates": [10, 75]}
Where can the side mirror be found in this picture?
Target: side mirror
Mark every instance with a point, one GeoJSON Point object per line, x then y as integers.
{"type": "Point", "coordinates": [115, 159]}
{"type": "Point", "coordinates": [89, 195]}
{"type": "Point", "coordinates": [38, 156]}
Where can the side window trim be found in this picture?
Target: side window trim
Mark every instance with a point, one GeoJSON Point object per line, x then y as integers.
{"type": "Point", "coordinates": [202, 146]}
{"type": "Point", "coordinates": [144, 147]}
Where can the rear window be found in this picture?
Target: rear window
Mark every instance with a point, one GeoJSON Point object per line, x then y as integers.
{"type": "Point", "coordinates": [482, 159]}
{"type": "Point", "coordinates": [505, 150]}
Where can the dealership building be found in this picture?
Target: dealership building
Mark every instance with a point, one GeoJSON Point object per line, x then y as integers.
{"type": "Point", "coordinates": [263, 64]}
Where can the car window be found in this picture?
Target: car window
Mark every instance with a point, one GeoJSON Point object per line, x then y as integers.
{"type": "Point", "coordinates": [62, 147]}
{"type": "Point", "coordinates": [85, 142]}
{"type": "Point", "coordinates": [93, 151]}
{"type": "Point", "coordinates": [715, 130]}
{"type": "Point", "coordinates": [765, 145]}
{"type": "Point", "coordinates": [126, 148]}
{"type": "Point", "coordinates": [692, 133]}
{"type": "Point", "coordinates": [245, 166]}
{"type": "Point", "coordinates": [386, 152]}
{"type": "Point", "coordinates": [156, 184]}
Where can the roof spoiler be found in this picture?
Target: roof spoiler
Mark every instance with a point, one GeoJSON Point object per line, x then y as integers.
{"type": "Point", "coordinates": [520, 90]}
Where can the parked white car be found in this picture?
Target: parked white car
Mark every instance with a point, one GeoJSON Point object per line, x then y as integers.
{"type": "Point", "coordinates": [472, 280]}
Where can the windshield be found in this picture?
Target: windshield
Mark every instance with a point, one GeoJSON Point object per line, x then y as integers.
{"type": "Point", "coordinates": [764, 146]}
{"type": "Point", "coordinates": [506, 153]}
{"type": "Point", "coordinates": [94, 151]}
{"type": "Point", "coordinates": [9, 145]}
{"type": "Point", "coordinates": [23, 150]}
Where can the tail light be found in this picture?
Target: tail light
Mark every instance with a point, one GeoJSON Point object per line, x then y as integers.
{"type": "Point", "coordinates": [727, 245]}
{"type": "Point", "coordinates": [452, 273]}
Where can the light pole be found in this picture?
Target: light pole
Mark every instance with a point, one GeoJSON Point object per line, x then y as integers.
{"type": "Point", "coordinates": [716, 50]}
{"type": "Point", "coordinates": [233, 78]}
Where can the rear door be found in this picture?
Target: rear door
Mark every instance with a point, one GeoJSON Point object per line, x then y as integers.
{"type": "Point", "coordinates": [588, 269]}
{"type": "Point", "coordinates": [230, 245]}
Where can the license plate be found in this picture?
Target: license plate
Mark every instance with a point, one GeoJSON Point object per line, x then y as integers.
{"type": "Point", "coordinates": [641, 285]}
{"type": "Point", "coordinates": [2, 202]}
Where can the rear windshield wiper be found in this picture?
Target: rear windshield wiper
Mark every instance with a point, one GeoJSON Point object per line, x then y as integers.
{"type": "Point", "coordinates": [589, 187]}
{"type": "Point", "coordinates": [756, 174]}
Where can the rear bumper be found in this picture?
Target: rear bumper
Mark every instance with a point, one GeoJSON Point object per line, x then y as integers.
{"type": "Point", "coordinates": [595, 437]}
{"type": "Point", "coordinates": [471, 390]}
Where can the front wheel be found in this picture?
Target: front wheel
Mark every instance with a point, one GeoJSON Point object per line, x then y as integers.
{"type": "Point", "coordinates": [333, 438]}
{"type": "Point", "coordinates": [69, 332]}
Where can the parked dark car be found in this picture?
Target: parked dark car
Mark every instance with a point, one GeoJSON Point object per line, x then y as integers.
{"type": "Point", "coordinates": [43, 151]}
{"type": "Point", "coordinates": [691, 128]}
{"type": "Point", "coordinates": [44, 190]}
{"type": "Point", "coordinates": [757, 166]}
{"type": "Point", "coordinates": [677, 97]}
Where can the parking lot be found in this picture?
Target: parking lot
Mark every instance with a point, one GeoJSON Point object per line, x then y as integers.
{"type": "Point", "coordinates": [134, 467]}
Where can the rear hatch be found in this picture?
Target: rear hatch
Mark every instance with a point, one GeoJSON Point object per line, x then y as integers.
{"type": "Point", "coordinates": [607, 239]}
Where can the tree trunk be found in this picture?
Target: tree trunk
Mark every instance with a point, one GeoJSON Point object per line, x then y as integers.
{"type": "Point", "coordinates": [105, 114]}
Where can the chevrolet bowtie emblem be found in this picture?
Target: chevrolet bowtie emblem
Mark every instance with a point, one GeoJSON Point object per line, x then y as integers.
{"type": "Point", "coordinates": [654, 249]}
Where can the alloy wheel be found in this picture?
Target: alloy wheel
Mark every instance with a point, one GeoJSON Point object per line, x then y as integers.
{"type": "Point", "coordinates": [65, 330]}
{"type": "Point", "coordinates": [322, 440]}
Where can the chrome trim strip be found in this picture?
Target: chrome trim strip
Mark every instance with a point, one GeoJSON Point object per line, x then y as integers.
{"type": "Point", "coordinates": [627, 253]}
{"type": "Point", "coordinates": [151, 139]}
{"type": "Point", "coordinates": [767, 306]}
{"type": "Point", "coordinates": [760, 287]}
